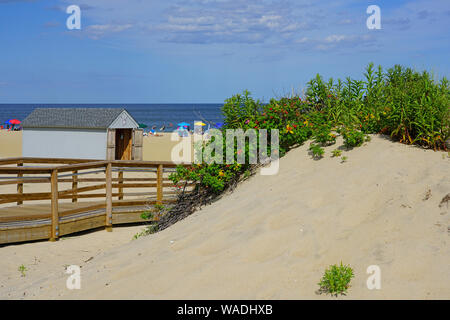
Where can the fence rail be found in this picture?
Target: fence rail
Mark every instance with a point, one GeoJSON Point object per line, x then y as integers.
{"type": "Point", "coordinates": [69, 180]}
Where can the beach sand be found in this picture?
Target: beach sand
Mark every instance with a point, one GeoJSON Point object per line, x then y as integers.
{"type": "Point", "coordinates": [159, 148]}
{"type": "Point", "coordinates": [272, 238]}
{"type": "Point", "coordinates": [10, 144]}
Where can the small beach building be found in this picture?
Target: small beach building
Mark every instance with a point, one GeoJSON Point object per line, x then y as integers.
{"type": "Point", "coordinates": [82, 133]}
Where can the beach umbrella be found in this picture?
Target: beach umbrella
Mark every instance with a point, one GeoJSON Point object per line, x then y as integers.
{"type": "Point", "coordinates": [14, 121]}
{"type": "Point", "coordinates": [219, 125]}
{"type": "Point", "coordinates": [183, 124]}
{"type": "Point", "coordinates": [142, 126]}
{"type": "Point", "coordinates": [199, 123]}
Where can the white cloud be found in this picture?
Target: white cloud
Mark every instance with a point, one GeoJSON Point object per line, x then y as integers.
{"type": "Point", "coordinates": [336, 38]}
{"type": "Point", "coordinates": [281, 23]}
{"type": "Point", "coordinates": [97, 31]}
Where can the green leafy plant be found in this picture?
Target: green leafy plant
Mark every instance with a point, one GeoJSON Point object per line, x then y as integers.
{"type": "Point", "coordinates": [336, 279]}
{"type": "Point", "coordinates": [147, 215]}
{"type": "Point", "coordinates": [336, 153]}
{"type": "Point", "coordinates": [316, 150]}
{"type": "Point", "coordinates": [344, 159]}
{"type": "Point", "coordinates": [324, 136]}
{"type": "Point", "coordinates": [353, 138]}
{"type": "Point", "coordinates": [22, 269]}
{"type": "Point", "coordinates": [152, 228]}
{"type": "Point", "coordinates": [138, 235]}
{"type": "Point", "coordinates": [154, 215]}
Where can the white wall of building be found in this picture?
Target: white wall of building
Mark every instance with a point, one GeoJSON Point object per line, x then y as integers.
{"type": "Point", "coordinates": [64, 143]}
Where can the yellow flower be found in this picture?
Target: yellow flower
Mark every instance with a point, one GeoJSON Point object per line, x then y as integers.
{"type": "Point", "coordinates": [289, 129]}
{"type": "Point", "coordinates": [221, 174]}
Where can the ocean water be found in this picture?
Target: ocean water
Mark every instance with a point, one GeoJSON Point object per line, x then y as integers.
{"type": "Point", "coordinates": [150, 114]}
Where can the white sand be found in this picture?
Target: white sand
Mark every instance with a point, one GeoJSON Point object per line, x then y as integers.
{"type": "Point", "coordinates": [272, 238]}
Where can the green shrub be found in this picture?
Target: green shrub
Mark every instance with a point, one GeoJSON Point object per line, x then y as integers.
{"type": "Point", "coordinates": [336, 279]}
{"type": "Point", "coordinates": [336, 153]}
{"type": "Point", "coordinates": [408, 105]}
{"type": "Point", "coordinates": [353, 138]}
{"type": "Point", "coordinates": [324, 136]}
{"type": "Point", "coordinates": [316, 151]}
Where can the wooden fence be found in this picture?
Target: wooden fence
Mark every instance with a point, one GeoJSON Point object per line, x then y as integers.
{"type": "Point", "coordinates": [61, 208]}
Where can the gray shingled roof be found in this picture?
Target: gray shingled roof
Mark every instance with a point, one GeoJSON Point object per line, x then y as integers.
{"type": "Point", "coordinates": [83, 118]}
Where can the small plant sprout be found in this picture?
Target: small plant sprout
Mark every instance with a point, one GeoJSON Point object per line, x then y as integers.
{"type": "Point", "coordinates": [22, 269]}
{"type": "Point", "coordinates": [344, 159]}
{"type": "Point", "coordinates": [336, 153]}
{"type": "Point", "coordinates": [159, 207]}
{"type": "Point", "coordinates": [316, 150]}
{"type": "Point", "coordinates": [139, 234]}
{"type": "Point", "coordinates": [336, 280]}
{"type": "Point", "coordinates": [147, 215]}
{"type": "Point", "coordinates": [153, 215]}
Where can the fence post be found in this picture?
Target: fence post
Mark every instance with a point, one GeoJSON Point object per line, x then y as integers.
{"type": "Point", "coordinates": [54, 203]}
{"type": "Point", "coordinates": [108, 179]}
{"type": "Point", "coordinates": [120, 185]}
{"type": "Point", "coordinates": [19, 185]}
{"type": "Point", "coordinates": [159, 184]}
{"type": "Point", "coordinates": [74, 186]}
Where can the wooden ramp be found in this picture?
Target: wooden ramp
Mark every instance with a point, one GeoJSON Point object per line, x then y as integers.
{"type": "Point", "coordinates": [55, 216]}
{"type": "Point", "coordinates": [34, 222]}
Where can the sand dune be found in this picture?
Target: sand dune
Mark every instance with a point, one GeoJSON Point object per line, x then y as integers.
{"type": "Point", "coordinates": [272, 238]}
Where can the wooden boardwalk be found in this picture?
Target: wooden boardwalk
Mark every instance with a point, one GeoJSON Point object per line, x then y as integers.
{"type": "Point", "coordinates": [58, 216]}
{"type": "Point", "coordinates": [33, 222]}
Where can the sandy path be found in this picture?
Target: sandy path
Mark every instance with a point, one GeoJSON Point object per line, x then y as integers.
{"type": "Point", "coordinates": [44, 260]}
{"type": "Point", "coordinates": [273, 237]}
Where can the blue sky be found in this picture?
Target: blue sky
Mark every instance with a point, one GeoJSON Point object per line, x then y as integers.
{"type": "Point", "coordinates": [204, 51]}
